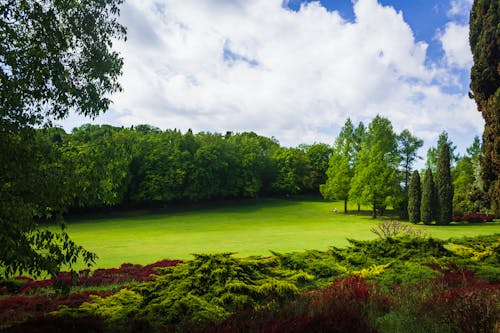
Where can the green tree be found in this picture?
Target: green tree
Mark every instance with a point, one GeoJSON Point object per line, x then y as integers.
{"type": "Point", "coordinates": [428, 207]}
{"type": "Point", "coordinates": [375, 179]}
{"type": "Point", "coordinates": [319, 156]}
{"type": "Point", "coordinates": [55, 56]}
{"type": "Point", "coordinates": [433, 152]}
{"type": "Point", "coordinates": [294, 171]}
{"type": "Point", "coordinates": [468, 195]}
{"type": "Point", "coordinates": [444, 186]}
{"type": "Point", "coordinates": [341, 166]}
{"type": "Point", "coordinates": [485, 86]}
{"type": "Point", "coordinates": [414, 198]}
{"type": "Point", "coordinates": [408, 146]}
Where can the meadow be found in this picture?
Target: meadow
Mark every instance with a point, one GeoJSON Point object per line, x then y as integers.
{"type": "Point", "coordinates": [247, 228]}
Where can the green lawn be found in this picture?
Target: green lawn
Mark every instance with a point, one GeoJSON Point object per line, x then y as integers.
{"type": "Point", "coordinates": [247, 228]}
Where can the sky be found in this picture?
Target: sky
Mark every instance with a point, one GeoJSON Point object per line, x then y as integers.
{"type": "Point", "coordinates": [296, 70]}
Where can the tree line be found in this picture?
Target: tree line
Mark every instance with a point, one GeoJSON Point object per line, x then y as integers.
{"type": "Point", "coordinates": [107, 166]}
{"type": "Point", "coordinates": [374, 166]}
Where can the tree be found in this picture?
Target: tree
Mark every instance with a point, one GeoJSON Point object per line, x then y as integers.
{"type": "Point", "coordinates": [485, 86]}
{"type": "Point", "coordinates": [56, 56]}
{"type": "Point", "coordinates": [414, 198]}
{"type": "Point", "coordinates": [428, 207]}
{"type": "Point", "coordinates": [408, 146]}
{"type": "Point", "coordinates": [433, 152]}
{"type": "Point", "coordinates": [375, 179]}
{"type": "Point", "coordinates": [319, 156]}
{"type": "Point", "coordinates": [444, 186]}
{"type": "Point", "coordinates": [340, 166]}
{"type": "Point", "coordinates": [293, 169]}
{"type": "Point", "coordinates": [468, 195]}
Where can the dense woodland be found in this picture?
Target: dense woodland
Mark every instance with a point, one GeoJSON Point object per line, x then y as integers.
{"type": "Point", "coordinates": [101, 166]}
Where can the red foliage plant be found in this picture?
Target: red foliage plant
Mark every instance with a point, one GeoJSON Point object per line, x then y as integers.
{"type": "Point", "coordinates": [454, 276]}
{"type": "Point", "coordinates": [473, 218]}
{"type": "Point", "coordinates": [342, 307]}
{"type": "Point", "coordinates": [124, 274]}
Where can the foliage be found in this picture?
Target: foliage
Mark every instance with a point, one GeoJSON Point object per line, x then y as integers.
{"type": "Point", "coordinates": [388, 284]}
{"type": "Point", "coordinates": [485, 86]}
{"type": "Point", "coordinates": [414, 198]}
{"type": "Point", "coordinates": [375, 179]}
{"type": "Point", "coordinates": [211, 287]}
{"type": "Point", "coordinates": [428, 207]}
{"type": "Point", "coordinates": [56, 57]}
{"type": "Point", "coordinates": [319, 155]}
{"type": "Point", "coordinates": [342, 307]}
{"type": "Point", "coordinates": [469, 195]}
{"type": "Point", "coordinates": [341, 166]}
{"type": "Point", "coordinates": [444, 186]}
{"type": "Point", "coordinates": [473, 218]}
{"type": "Point", "coordinates": [293, 171]}
{"type": "Point", "coordinates": [113, 309]}
{"type": "Point", "coordinates": [396, 228]}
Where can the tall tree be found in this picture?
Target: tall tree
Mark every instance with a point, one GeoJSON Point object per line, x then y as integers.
{"type": "Point", "coordinates": [341, 166]}
{"type": "Point", "coordinates": [414, 198]}
{"type": "Point", "coordinates": [375, 179]}
{"type": "Point", "coordinates": [428, 207]}
{"type": "Point", "coordinates": [408, 146]}
{"type": "Point", "coordinates": [433, 152]}
{"type": "Point", "coordinates": [485, 85]}
{"type": "Point", "coordinates": [56, 56]}
{"type": "Point", "coordinates": [444, 186]}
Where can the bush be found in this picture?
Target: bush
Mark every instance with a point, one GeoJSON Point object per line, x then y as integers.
{"type": "Point", "coordinates": [473, 218]}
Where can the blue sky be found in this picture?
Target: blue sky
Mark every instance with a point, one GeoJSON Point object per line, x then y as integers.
{"type": "Point", "coordinates": [295, 69]}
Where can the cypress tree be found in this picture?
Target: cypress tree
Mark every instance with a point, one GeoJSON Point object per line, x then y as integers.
{"type": "Point", "coordinates": [444, 186]}
{"type": "Point", "coordinates": [414, 197]}
{"type": "Point", "coordinates": [429, 201]}
{"type": "Point", "coordinates": [485, 85]}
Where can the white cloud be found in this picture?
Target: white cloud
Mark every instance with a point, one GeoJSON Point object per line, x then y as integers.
{"type": "Point", "coordinates": [460, 7]}
{"type": "Point", "coordinates": [218, 65]}
{"type": "Point", "coordinates": [455, 42]}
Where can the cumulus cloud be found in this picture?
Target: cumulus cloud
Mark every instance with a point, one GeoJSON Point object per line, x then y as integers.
{"type": "Point", "coordinates": [218, 65]}
{"type": "Point", "coordinates": [455, 42]}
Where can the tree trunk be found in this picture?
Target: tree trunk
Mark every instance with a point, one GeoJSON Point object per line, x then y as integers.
{"type": "Point", "coordinates": [345, 206]}
{"type": "Point", "coordinates": [359, 207]}
{"type": "Point", "coordinates": [374, 212]}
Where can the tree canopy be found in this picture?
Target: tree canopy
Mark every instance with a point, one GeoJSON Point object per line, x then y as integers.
{"type": "Point", "coordinates": [55, 57]}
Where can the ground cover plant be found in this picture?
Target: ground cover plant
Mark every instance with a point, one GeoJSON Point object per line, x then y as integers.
{"type": "Point", "coordinates": [402, 283]}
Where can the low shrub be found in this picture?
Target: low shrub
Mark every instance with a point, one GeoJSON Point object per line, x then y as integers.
{"type": "Point", "coordinates": [473, 218]}
{"type": "Point", "coordinates": [211, 287]}
{"type": "Point", "coordinates": [342, 307]}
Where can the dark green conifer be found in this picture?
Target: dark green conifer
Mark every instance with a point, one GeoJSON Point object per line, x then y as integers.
{"type": "Point", "coordinates": [429, 200]}
{"type": "Point", "coordinates": [444, 186]}
{"type": "Point", "coordinates": [414, 197]}
{"type": "Point", "coordinates": [485, 85]}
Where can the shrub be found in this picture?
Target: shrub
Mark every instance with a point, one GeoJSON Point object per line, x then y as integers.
{"type": "Point", "coordinates": [211, 287]}
{"type": "Point", "coordinates": [396, 228]}
{"type": "Point", "coordinates": [473, 218]}
{"type": "Point", "coordinates": [342, 307]}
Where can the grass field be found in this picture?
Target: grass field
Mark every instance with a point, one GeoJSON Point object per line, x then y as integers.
{"type": "Point", "coordinates": [247, 228]}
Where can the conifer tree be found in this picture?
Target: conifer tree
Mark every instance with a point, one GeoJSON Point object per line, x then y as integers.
{"type": "Point", "coordinates": [428, 204]}
{"type": "Point", "coordinates": [444, 186]}
{"type": "Point", "coordinates": [414, 198]}
{"type": "Point", "coordinates": [485, 85]}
